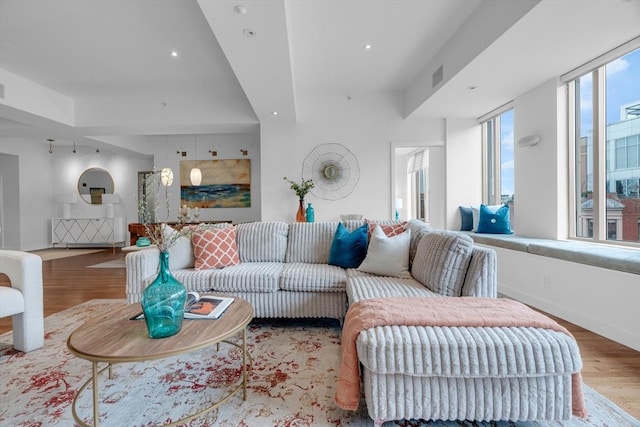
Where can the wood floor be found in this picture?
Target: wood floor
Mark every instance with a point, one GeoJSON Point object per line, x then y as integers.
{"type": "Point", "coordinates": [610, 368]}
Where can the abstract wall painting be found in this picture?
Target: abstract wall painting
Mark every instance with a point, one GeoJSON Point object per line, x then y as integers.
{"type": "Point", "coordinates": [225, 184]}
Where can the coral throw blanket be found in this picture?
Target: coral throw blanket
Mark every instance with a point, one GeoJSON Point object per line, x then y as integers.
{"type": "Point", "coordinates": [452, 312]}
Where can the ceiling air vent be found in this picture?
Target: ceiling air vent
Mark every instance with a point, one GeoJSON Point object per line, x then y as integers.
{"type": "Point", "coordinates": [437, 77]}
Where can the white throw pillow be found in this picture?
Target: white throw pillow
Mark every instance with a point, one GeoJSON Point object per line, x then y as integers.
{"type": "Point", "coordinates": [181, 252]}
{"type": "Point", "coordinates": [388, 256]}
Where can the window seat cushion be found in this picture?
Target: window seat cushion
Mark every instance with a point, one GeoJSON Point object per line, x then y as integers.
{"type": "Point", "coordinates": [611, 257]}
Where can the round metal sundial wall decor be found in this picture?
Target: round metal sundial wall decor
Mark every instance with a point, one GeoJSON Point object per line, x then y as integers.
{"type": "Point", "coordinates": [334, 170]}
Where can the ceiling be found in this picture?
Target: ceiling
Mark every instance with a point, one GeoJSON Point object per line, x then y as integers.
{"type": "Point", "coordinates": [106, 65]}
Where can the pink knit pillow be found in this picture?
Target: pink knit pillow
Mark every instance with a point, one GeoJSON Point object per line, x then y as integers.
{"type": "Point", "coordinates": [215, 248]}
{"type": "Point", "coordinates": [389, 230]}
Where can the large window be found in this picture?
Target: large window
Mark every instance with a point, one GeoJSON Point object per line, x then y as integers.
{"type": "Point", "coordinates": [604, 110]}
{"type": "Point", "coordinates": [499, 181]}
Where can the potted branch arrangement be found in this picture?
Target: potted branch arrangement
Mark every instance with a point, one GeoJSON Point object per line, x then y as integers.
{"type": "Point", "coordinates": [301, 189]}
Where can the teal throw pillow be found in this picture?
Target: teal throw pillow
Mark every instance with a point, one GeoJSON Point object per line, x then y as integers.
{"type": "Point", "coordinates": [466, 218]}
{"type": "Point", "coordinates": [494, 222]}
{"type": "Point", "coordinates": [348, 249]}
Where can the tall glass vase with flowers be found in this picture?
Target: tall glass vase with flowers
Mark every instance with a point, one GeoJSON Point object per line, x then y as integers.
{"type": "Point", "coordinates": [164, 299]}
{"type": "Point", "coordinates": [301, 189]}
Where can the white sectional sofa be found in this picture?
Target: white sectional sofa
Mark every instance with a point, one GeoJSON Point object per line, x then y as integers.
{"type": "Point", "coordinates": [284, 270]}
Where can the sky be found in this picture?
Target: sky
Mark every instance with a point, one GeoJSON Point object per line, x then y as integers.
{"type": "Point", "coordinates": [622, 87]}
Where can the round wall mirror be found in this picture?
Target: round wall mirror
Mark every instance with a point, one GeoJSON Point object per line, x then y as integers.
{"type": "Point", "coordinates": [93, 183]}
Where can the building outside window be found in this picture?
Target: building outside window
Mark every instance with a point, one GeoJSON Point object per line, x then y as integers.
{"type": "Point", "coordinates": [498, 164]}
{"type": "Point", "coordinates": [604, 105]}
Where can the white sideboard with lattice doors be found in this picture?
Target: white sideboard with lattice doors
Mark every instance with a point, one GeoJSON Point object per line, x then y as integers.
{"type": "Point", "coordinates": [87, 231]}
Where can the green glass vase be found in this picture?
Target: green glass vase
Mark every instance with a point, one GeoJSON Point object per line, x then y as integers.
{"type": "Point", "coordinates": [163, 302]}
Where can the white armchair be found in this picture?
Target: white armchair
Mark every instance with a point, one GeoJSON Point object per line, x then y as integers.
{"type": "Point", "coordinates": [23, 300]}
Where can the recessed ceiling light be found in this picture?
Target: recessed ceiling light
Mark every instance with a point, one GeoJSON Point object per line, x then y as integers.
{"type": "Point", "coordinates": [249, 33]}
{"type": "Point", "coordinates": [274, 113]}
{"type": "Point", "coordinates": [471, 87]}
{"type": "Point", "coordinates": [367, 46]}
{"type": "Point", "coordinates": [174, 53]}
{"type": "Point", "coordinates": [241, 10]}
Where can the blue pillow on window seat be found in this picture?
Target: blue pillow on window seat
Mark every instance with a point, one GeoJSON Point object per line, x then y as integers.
{"type": "Point", "coordinates": [348, 250]}
{"type": "Point", "coordinates": [494, 222]}
{"type": "Point", "coordinates": [466, 218]}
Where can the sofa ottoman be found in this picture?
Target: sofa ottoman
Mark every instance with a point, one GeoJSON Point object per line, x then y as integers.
{"type": "Point", "coordinates": [458, 373]}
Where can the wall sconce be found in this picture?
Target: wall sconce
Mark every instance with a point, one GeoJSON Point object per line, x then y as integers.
{"type": "Point", "coordinates": [109, 200]}
{"type": "Point", "coordinates": [529, 141]}
{"type": "Point", "coordinates": [50, 145]}
{"type": "Point", "coordinates": [66, 199]}
{"type": "Point", "coordinates": [244, 152]}
{"type": "Point", "coordinates": [166, 177]}
{"type": "Point", "coordinates": [74, 148]}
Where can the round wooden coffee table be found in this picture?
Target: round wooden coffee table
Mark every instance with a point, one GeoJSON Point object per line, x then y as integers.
{"type": "Point", "coordinates": [114, 338]}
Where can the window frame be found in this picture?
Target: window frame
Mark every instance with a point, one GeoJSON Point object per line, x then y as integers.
{"type": "Point", "coordinates": [600, 231]}
{"type": "Point", "coordinates": [491, 155]}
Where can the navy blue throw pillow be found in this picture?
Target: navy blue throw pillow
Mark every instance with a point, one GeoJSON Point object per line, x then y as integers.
{"type": "Point", "coordinates": [348, 250]}
{"type": "Point", "coordinates": [496, 222]}
{"type": "Point", "coordinates": [466, 218]}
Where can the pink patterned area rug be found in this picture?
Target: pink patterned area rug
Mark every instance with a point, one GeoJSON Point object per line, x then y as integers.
{"type": "Point", "coordinates": [292, 382]}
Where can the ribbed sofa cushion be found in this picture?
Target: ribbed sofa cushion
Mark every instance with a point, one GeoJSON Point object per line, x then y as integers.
{"type": "Point", "coordinates": [262, 241]}
{"type": "Point", "coordinates": [305, 277]}
{"type": "Point", "coordinates": [310, 242]}
{"type": "Point", "coordinates": [418, 229]}
{"type": "Point", "coordinates": [468, 352]}
{"type": "Point", "coordinates": [365, 286]}
{"type": "Point", "coordinates": [441, 261]}
{"type": "Point", "coordinates": [248, 277]}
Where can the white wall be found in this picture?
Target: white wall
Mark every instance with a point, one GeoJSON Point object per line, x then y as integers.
{"type": "Point", "coordinates": [600, 300]}
{"type": "Point", "coordinates": [437, 187]}
{"type": "Point", "coordinates": [36, 186]}
{"type": "Point", "coordinates": [366, 126]}
{"type": "Point", "coordinates": [463, 151]}
{"type": "Point", "coordinates": [9, 209]}
{"type": "Point", "coordinates": [541, 171]}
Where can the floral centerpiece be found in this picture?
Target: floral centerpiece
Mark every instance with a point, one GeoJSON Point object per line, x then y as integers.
{"type": "Point", "coordinates": [301, 189]}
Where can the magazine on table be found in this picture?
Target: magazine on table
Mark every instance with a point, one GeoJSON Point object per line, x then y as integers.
{"type": "Point", "coordinates": [201, 306]}
{"type": "Point", "coordinates": [205, 306]}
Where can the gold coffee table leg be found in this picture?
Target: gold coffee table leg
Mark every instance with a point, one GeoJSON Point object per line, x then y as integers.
{"type": "Point", "coordinates": [96, 419]}
{"type": "Point", "coordinates": [244, 364]}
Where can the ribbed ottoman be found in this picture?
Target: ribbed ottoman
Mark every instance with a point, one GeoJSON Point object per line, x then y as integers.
{"type": "Point", "coordinates": [460, 373]}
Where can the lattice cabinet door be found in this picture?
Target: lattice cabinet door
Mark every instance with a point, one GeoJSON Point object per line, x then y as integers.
{"type": "Point", "coordinates": [82, 230]}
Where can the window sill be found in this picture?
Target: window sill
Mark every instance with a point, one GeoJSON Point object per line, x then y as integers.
{"type": "Point", "coordinates": [613, 258]}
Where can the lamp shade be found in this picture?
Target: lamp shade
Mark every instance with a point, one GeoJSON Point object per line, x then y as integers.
{"type": "Point", "coordinates": [166, 177]}
{"type": "Point", "coordinates": [196, 176]}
